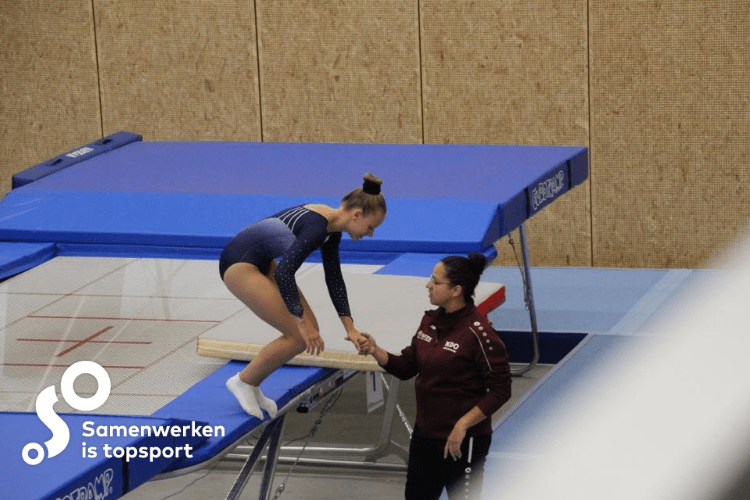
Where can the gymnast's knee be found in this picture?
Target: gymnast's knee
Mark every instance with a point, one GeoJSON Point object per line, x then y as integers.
{"type": "Point", "coordinates": [298, 345]}
{"type": "Point", "coordinates": [295, 339]}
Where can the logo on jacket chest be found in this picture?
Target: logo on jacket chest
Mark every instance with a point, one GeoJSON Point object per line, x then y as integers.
{"type": "Point", "coordinates": [451, 346]}
{"type": "Point", "coordinates": [423, 336]}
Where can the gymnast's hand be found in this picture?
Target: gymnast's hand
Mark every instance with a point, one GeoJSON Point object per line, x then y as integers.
{"type": "Point", "coordinates": [313, 341]}
{"type": "Point", "coordinates": [358, 339]}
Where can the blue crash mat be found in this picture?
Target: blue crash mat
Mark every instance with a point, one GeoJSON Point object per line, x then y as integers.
{"type": "Point", "coordinates": [442, 198]}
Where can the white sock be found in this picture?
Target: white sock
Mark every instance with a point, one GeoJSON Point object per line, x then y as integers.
{"type": "Point", "coordinates": [245, 394]}
{"type": "Point", "coordinates": [266, 403]}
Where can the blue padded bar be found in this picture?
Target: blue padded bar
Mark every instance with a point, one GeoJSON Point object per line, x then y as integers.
{"type": "Point", "coordinates": [70, 474]}
{"type": "Point", "coordinates": [77, 155]}
{"type": "Point", "coordinates": [209, 400]}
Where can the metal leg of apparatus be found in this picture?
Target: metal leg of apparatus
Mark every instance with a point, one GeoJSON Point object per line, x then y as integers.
{"type": "Point", "coordinates": [272, 432]}
{"type": "Point", "coordinates": [391, 405]}
{"type": "Point", "coordinates": [401, 413]}
{"type": "Point", "coordinates": [529, 298]}
{"type": "Point", "coordinates": [339, 454]}
{"type": "Point", "coordinates": [271, 460]}
{"type": "Point", "coordinates": [371, 452]}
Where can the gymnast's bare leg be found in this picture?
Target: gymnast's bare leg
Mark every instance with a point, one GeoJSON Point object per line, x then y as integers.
{"type": "Point", "coordinates": [260, 294]}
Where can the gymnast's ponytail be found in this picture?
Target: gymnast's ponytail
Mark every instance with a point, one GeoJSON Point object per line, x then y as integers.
{"type": "Point", "coordinates": [465, 272]}
{"type": "Point", "coordinates": [368, 197]}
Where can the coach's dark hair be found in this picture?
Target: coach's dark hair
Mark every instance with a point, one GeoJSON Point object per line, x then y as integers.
{"type": "Point", "coordinates": [465, 272]}
{"type": "Point", "coordinates": [368, 197]}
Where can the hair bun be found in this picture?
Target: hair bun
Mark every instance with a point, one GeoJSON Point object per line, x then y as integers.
{"type": "Point", "coordinates": [477, 263]}
{"type": "Point", "coordinates": [371, 184]}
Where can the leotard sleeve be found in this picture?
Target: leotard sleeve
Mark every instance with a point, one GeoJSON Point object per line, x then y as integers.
{"type": "Point", "coordinates": [311, 236]}
{"type": "Point", "coordinates": [334, 278]}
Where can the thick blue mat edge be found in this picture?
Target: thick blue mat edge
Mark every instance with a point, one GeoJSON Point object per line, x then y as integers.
{"type": "Point", "coordinates": [74, 156]}
{"type": "Point", "coordinates": [16, 258]}
{"type": "Point", "coordinates": [209, 400]}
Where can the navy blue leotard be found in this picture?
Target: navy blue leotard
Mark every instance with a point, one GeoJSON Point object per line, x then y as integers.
{"type": "Point", "coordinates": [291, 236]}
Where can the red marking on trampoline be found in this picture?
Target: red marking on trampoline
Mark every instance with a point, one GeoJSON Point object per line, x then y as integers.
{"type": "Point", "coordinates": [84, 341]}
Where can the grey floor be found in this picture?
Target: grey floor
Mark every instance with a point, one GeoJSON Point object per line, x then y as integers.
{"type": "Point", "coordinates": [346, 423]}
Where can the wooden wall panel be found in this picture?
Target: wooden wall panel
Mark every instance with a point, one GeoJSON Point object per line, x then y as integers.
{"type": "Point", "coordinates": [513, 73]}
{"type": "Point", "coordinates": [670, 108]}
{"type": "Point", "coordinates": [179, 69]}
{"type": "Point", "coordinates": [49, 98]}
{"type": "Point", "coordinates": [344, 71]}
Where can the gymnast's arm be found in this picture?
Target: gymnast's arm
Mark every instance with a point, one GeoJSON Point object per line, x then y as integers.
{"type": "Point", "coordinates": [310, 238]}
{"type": "Point", "coordinates": [329, 250]}
{"type": "Point", "coordinates": [337, 288]}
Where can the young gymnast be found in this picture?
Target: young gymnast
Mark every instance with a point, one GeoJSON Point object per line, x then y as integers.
{"type": "Point", "coordinates": [249, 269]}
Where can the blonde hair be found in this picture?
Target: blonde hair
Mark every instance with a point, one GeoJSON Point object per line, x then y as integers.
{"type": "Point", "coordinates": [368, 201]}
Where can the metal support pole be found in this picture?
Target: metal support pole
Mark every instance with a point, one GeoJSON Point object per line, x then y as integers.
{"type": "Point", "coordinates": [271, 459]}
{"type": "Point", "coordinates": [272, 430]}
{"type": "Point", "coordinates": [529, 298]}
{"type": "Point", "coordinates": [385, 431]}
{"type": "Point", "coordinates": [401, 413]}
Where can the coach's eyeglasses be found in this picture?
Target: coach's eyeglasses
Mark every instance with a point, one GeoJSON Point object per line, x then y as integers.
{"type": "Point", "coordinates": [435, 282]}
